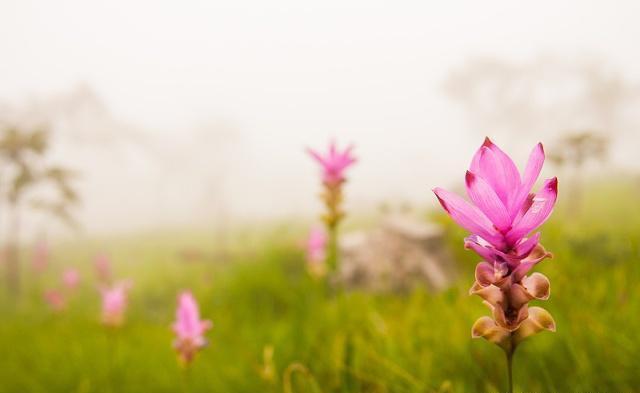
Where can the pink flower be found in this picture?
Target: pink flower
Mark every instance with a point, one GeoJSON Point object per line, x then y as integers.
{"type": "Point", "coordinates": [502, 211]}
{"type": "Point", "coordinates": [103, 268]}
{"type": "Point", "coordinates": [316, 245]}
{"type": "Point", "coordinates": [189, 328]}
{"type": "Point", "coordinates": [55, 299]}
{"type": "Point", "coordinates": [317, 251]}
{"type": "Point", "coordinates": [71, 278]}
{"type": "Point", "coordinates": [114, 303]}
{"type": "Point", "coordinates": [334, 163]}
{"type": "Point", "coordinates": [40, 259]}
{"type": "Point", "coordinates": [501, 214]}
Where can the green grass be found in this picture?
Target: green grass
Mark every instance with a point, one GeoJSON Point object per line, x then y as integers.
{"type": "Point", "coordinates": [258, 295]}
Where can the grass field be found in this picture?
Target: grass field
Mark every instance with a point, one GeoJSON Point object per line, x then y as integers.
{"type": "Point", "coordinates": [260, 299]}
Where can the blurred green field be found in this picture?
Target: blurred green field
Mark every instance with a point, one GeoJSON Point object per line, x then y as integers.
{"type": "Point", "coordinates": [259, 296]}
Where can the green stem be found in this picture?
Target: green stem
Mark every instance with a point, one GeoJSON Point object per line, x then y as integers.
{"type": "Point", "coordinates": [111, 358]}
{"type": "Point", "coordinates": [186, 372]}
{"type": "Point", "coordinates": [332, 252]}
{"type": "Point", "coordinates": [510, 369]}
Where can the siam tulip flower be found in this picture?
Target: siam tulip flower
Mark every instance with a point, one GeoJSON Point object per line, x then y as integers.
{"type": "Point", "coordinates": [334, 164]}
{"type": "Point", "coordinates": [103, 268]}
{"type": "Point", "coordinates": [41, 254]}
{"type": "Point", "coordinates": [316, 251]}
{"type": "Point", "coordinates": [55, 299]}
{"type": "Point", "coordinates": [71, 278]}
{"type": "Point", "coordinates": [189, 328]}
{"type": "Point", "coordinates": [501, 216]}
{"type": "Point", "coordinates": [114, 303]}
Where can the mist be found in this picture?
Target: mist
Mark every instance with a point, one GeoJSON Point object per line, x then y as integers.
{"type": "Point", "coordinates": [196, 113]}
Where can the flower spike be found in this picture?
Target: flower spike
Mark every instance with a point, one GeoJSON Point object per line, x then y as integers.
{"type": "Point", "coordinates": [500, 216]}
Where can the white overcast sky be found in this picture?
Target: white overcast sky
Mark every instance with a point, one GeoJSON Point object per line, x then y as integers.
{"type": "Point", "coordinates": [292, 73]}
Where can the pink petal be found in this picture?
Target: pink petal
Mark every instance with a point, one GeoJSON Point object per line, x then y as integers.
{"type": "Point", "coordinates": [475, 161]}
{"type": "Point", "coordinates": [534, 166]}
{"type": "Point", "coordinates": [537, 213]}
{"type": "Point", "coordinates": [512, 175]}
{"type": "Point", "coordinates": [535, 256]}
{"type": "Point", "coordinates": [493, 165]}
{"type": "Point", "coordinates": [531, 173]}
{"type": "Point", "coordinates": [317, 156]}
{"type": "Point", "coordinates": [472, 242]}
{"type": "Point", "coordinates": [488, 252]}
{"type": "Point", "coordinates": [347, 155]}
{"type": "Point", "coordinates": [525, 247]}
{"type": "Point", "coordinates": [468, 216]}
{"type": "Point", "coordinates": [488, 201]}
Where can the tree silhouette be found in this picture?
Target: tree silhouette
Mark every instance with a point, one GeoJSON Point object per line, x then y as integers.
{"type": "Point", "coordinates": [28, 181]}
{"type": "Point", "coordinates": [544, 97]}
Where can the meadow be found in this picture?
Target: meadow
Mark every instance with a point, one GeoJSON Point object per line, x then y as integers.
{"type": "Point", "coordinates": [276, 329]}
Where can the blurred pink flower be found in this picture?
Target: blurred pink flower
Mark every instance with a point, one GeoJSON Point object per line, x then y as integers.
{"type": "Point", "coordinates": [103, 268]}
{"type": "Point", "coordinates": [55, 299]}
{"type": "Point", "coordinates": [334, 163]}
{"type": "Point", "coordinates": [317, 251]}
{"type": "Point", "coordinates": [316, 245]}
{"type": "Point", "coordinates": [114, 303]}
{"type": "Point", "coordinates": [71, 278]}
{"type": "Point", "coordinates": [189, 328]}
{"type": "Point", "coordinates": [40, 259]}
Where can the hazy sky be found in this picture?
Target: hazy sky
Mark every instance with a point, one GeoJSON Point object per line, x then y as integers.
{"type": "Point", "coordinates": [287, 74]}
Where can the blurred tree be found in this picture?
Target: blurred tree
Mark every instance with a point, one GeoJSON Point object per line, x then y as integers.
{"type": "Point", "coordinates": [545, 96]}
{"type": "Point", "coordinates": [574, 149]}
{"type": "Point", "coordinates": [26, 180]}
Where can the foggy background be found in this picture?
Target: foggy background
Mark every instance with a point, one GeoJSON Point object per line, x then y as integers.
{"type": "Point", "coordinates": [188, 113]}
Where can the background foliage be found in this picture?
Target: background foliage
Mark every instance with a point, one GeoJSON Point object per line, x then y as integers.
{"type": "Point", "coordinates": [260, 299]}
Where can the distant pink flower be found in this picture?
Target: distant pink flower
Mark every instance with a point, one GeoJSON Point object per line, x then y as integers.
{"type": "Point", "coordinates": [317, 251]}
{"type": "Point", "coordinates": [71, 278]}
{"type": "Point", "coordinates": [189, 328]}
{"type": "Point", "coordinates": [114, 303]}
{"type": "Point", "coordinates": [103, 268]}
{"type": "Point", "coordinates": [55, 299]}
{"type": "Point", "coordinates": [316, 245]}
{"type": "Point", "coordinates": [40, 259]}
{"type": "Point", "coordinates": [334, 163]}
